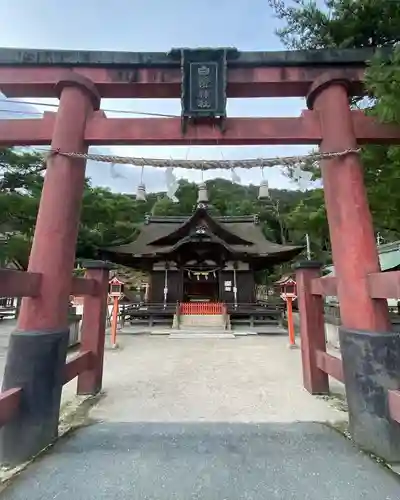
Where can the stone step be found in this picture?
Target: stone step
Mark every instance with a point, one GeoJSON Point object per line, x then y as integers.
{"type": "Point", "coordinates": [206, 335]}
{"type": "Point", "coordinates": [200, 328]}
{"type": "Point", "coordinates": [205, 320]}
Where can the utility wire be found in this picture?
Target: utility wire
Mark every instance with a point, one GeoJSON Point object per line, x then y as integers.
{"type": "Point", "coordinates": [46, 104]}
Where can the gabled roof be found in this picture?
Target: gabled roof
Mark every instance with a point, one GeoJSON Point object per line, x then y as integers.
{"type": "Point", "coordinates": [241, 236]}
{"type": "Point", "coordinates": [201, 215]}
{"type": "Point", "coordinates": [286, 278]}
{"type": "Point", "coordinates": [389, 258]}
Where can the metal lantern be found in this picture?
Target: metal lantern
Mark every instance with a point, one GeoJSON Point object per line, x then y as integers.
{"type": "Point", "coordinates": [263, 192]}
{"type": "Point", "coordinates": [141, 193]}
{"type": "Point", "coordinates": [202, 194]}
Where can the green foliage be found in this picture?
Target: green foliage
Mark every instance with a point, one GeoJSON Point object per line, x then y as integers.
{"type": "Point", "coordinates": [383, 81]}
{"type": "Point", "coordinates": [355, 24]}
{"type": "Point", "coordinates": [111, 218]}
{"type": "Point", "coordinates": [339, 24]}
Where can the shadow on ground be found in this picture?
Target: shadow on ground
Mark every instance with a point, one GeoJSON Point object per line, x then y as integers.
{"type": "Point", "coordinates": [210, 461]}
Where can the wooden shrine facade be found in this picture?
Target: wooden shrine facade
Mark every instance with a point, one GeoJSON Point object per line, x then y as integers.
{"type": "Point", "coordinates": [201, 258]}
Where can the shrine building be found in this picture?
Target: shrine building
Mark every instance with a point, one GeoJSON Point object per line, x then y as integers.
{"type": "Point", "coordinates": [201, 258]}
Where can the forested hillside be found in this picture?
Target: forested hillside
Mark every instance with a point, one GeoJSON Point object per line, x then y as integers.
{"type": "Point", "coordinates": [109, 218]}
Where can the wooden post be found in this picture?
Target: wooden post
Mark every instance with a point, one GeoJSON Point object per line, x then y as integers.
{"type": "Point", "coordinates": [289, 309]}
{"type": "Point", "coordinates": [94, 327]}
{"type": "Point", "coordinates": [57, 225]}
{"type": "Point", "coordinates": [114, 322]}
{"type": "Point", "coordinates": [37, 349]}
{"type": "Point", "coordinates": [350, 223]}
{"type": "Point", "coordinates": [312, 327]}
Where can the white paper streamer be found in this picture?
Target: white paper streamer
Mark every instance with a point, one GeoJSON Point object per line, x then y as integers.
{"type": "Point", "coordinates": [172, 184]}
{"type": "Point", "coordinates": [302, 178]}
{"type": "Point", "coordinates": [114, 173]}
{"type": "Point", "coordinates": [235, 177]}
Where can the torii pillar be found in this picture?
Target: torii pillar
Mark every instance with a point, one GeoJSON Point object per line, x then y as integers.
{"type": "Point", "coordinates": [37, 350]}
{"type": "Point", "coordinates": [370, 350]}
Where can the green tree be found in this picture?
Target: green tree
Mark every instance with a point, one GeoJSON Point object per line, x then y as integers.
{"type": "Point", "coordinates": [356, 24]}
{"type": "Point", "coordinates": [109, 218]}
{"type": "Point", "coordinates": [20, 186]}
{"type": "Point", "coordinates": [338, 24]}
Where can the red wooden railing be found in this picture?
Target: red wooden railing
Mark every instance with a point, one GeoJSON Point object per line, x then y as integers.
{"type": "Point", "coordinates": [87, 365]}
{"type": "Point", "coordinates": [329, 364]}
{"type": "Point", "coordinates": [317, 363]}
{"type": "Point", "coordinates": [77, 365]}
{"type": "Point", "coordinates": [9, 404]}
{"type": "Point", "coordinates": [200, 308]}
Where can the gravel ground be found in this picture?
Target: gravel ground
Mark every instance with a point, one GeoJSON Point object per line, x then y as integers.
{"type": "Point", "coordinates": [246, 379]}
{"type": "Point", "coordinates": [208, 419]}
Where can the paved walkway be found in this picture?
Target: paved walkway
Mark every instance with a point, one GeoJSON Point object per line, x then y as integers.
{"type": "Point", "coordinates": [206, 419]}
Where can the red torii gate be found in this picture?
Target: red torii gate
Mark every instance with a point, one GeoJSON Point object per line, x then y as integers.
{"type": "Point", "coordinates": [37, 351]}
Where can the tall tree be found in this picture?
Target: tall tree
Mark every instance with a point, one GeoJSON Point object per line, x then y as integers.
{"type": "Point", "coordinates": [356, 24]}
{"type": "Point", "coordinates": [20, 186]}
{"type": "Point", "coordinates": [109, 218]}
{"type": "Point", "coordinates": [309, 24]}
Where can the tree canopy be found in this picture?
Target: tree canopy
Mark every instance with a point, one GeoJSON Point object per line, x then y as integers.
{"type": "Point", "coordinates": [355, 24]}
{"type": "Point", "coordinates": [109, 218]}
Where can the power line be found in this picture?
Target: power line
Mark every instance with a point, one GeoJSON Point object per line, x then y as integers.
{"type": "Point", "coordinates": [46, 104]}
{"type": "Point", "coordinates": [20, 112]}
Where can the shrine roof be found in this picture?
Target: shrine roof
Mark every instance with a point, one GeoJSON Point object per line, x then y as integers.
{"type": "Point", "coordinates": [243, 229]}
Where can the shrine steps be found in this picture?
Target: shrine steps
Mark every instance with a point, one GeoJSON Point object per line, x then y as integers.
{"type": "Point", "coordinates": [204, 321]}
{"type": "Point", "coordinates": [201, 334]}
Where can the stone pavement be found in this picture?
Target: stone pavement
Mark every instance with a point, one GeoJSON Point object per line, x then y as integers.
{"type": "Point", "coordinates": [206, 419]}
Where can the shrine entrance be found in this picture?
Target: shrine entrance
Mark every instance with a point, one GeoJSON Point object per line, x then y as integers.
{"type": "Point", "coordinates": [201, 286]}
{"type": "Point", "coordinates": [203, 79]}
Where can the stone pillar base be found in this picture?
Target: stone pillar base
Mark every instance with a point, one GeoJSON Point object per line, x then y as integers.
{"type": "Point", "coordinates": [35, 362]}
{"type": "Point", "coordinates": [371, 366]}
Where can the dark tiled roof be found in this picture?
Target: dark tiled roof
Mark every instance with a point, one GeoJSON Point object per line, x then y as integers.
{"type": "Point", "coordinates": [245, 228]}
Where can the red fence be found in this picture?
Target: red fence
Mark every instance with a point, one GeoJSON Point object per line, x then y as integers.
{"type": "Point", "coordinates": [87, 365]}
{"type": "Point", "coordinates": [201, 308]}
{"type": "Point", "coordinates": [317, 363]}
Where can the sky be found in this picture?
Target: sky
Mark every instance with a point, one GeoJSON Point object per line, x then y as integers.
{"type": "Point", "coordinates": [154, 25]}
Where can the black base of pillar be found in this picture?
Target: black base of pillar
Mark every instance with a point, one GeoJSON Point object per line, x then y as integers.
{"type": "Point", "coordinates": [371, 366]}
{"type": "Point", "coordinates": [35, 362]}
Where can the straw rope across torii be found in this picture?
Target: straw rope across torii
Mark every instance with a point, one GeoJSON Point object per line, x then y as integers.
{"type": "Point", "coordinates": [286, 161]}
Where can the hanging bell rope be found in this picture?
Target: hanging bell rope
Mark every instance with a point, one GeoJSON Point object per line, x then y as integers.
{"type": "Point", "coordinates": [285, 161]}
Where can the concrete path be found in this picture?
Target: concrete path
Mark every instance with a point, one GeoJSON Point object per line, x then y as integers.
{"type": "Point", "coordinates": [128, 461]}
{"type": "Point", "coordinates": [206, 419]}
